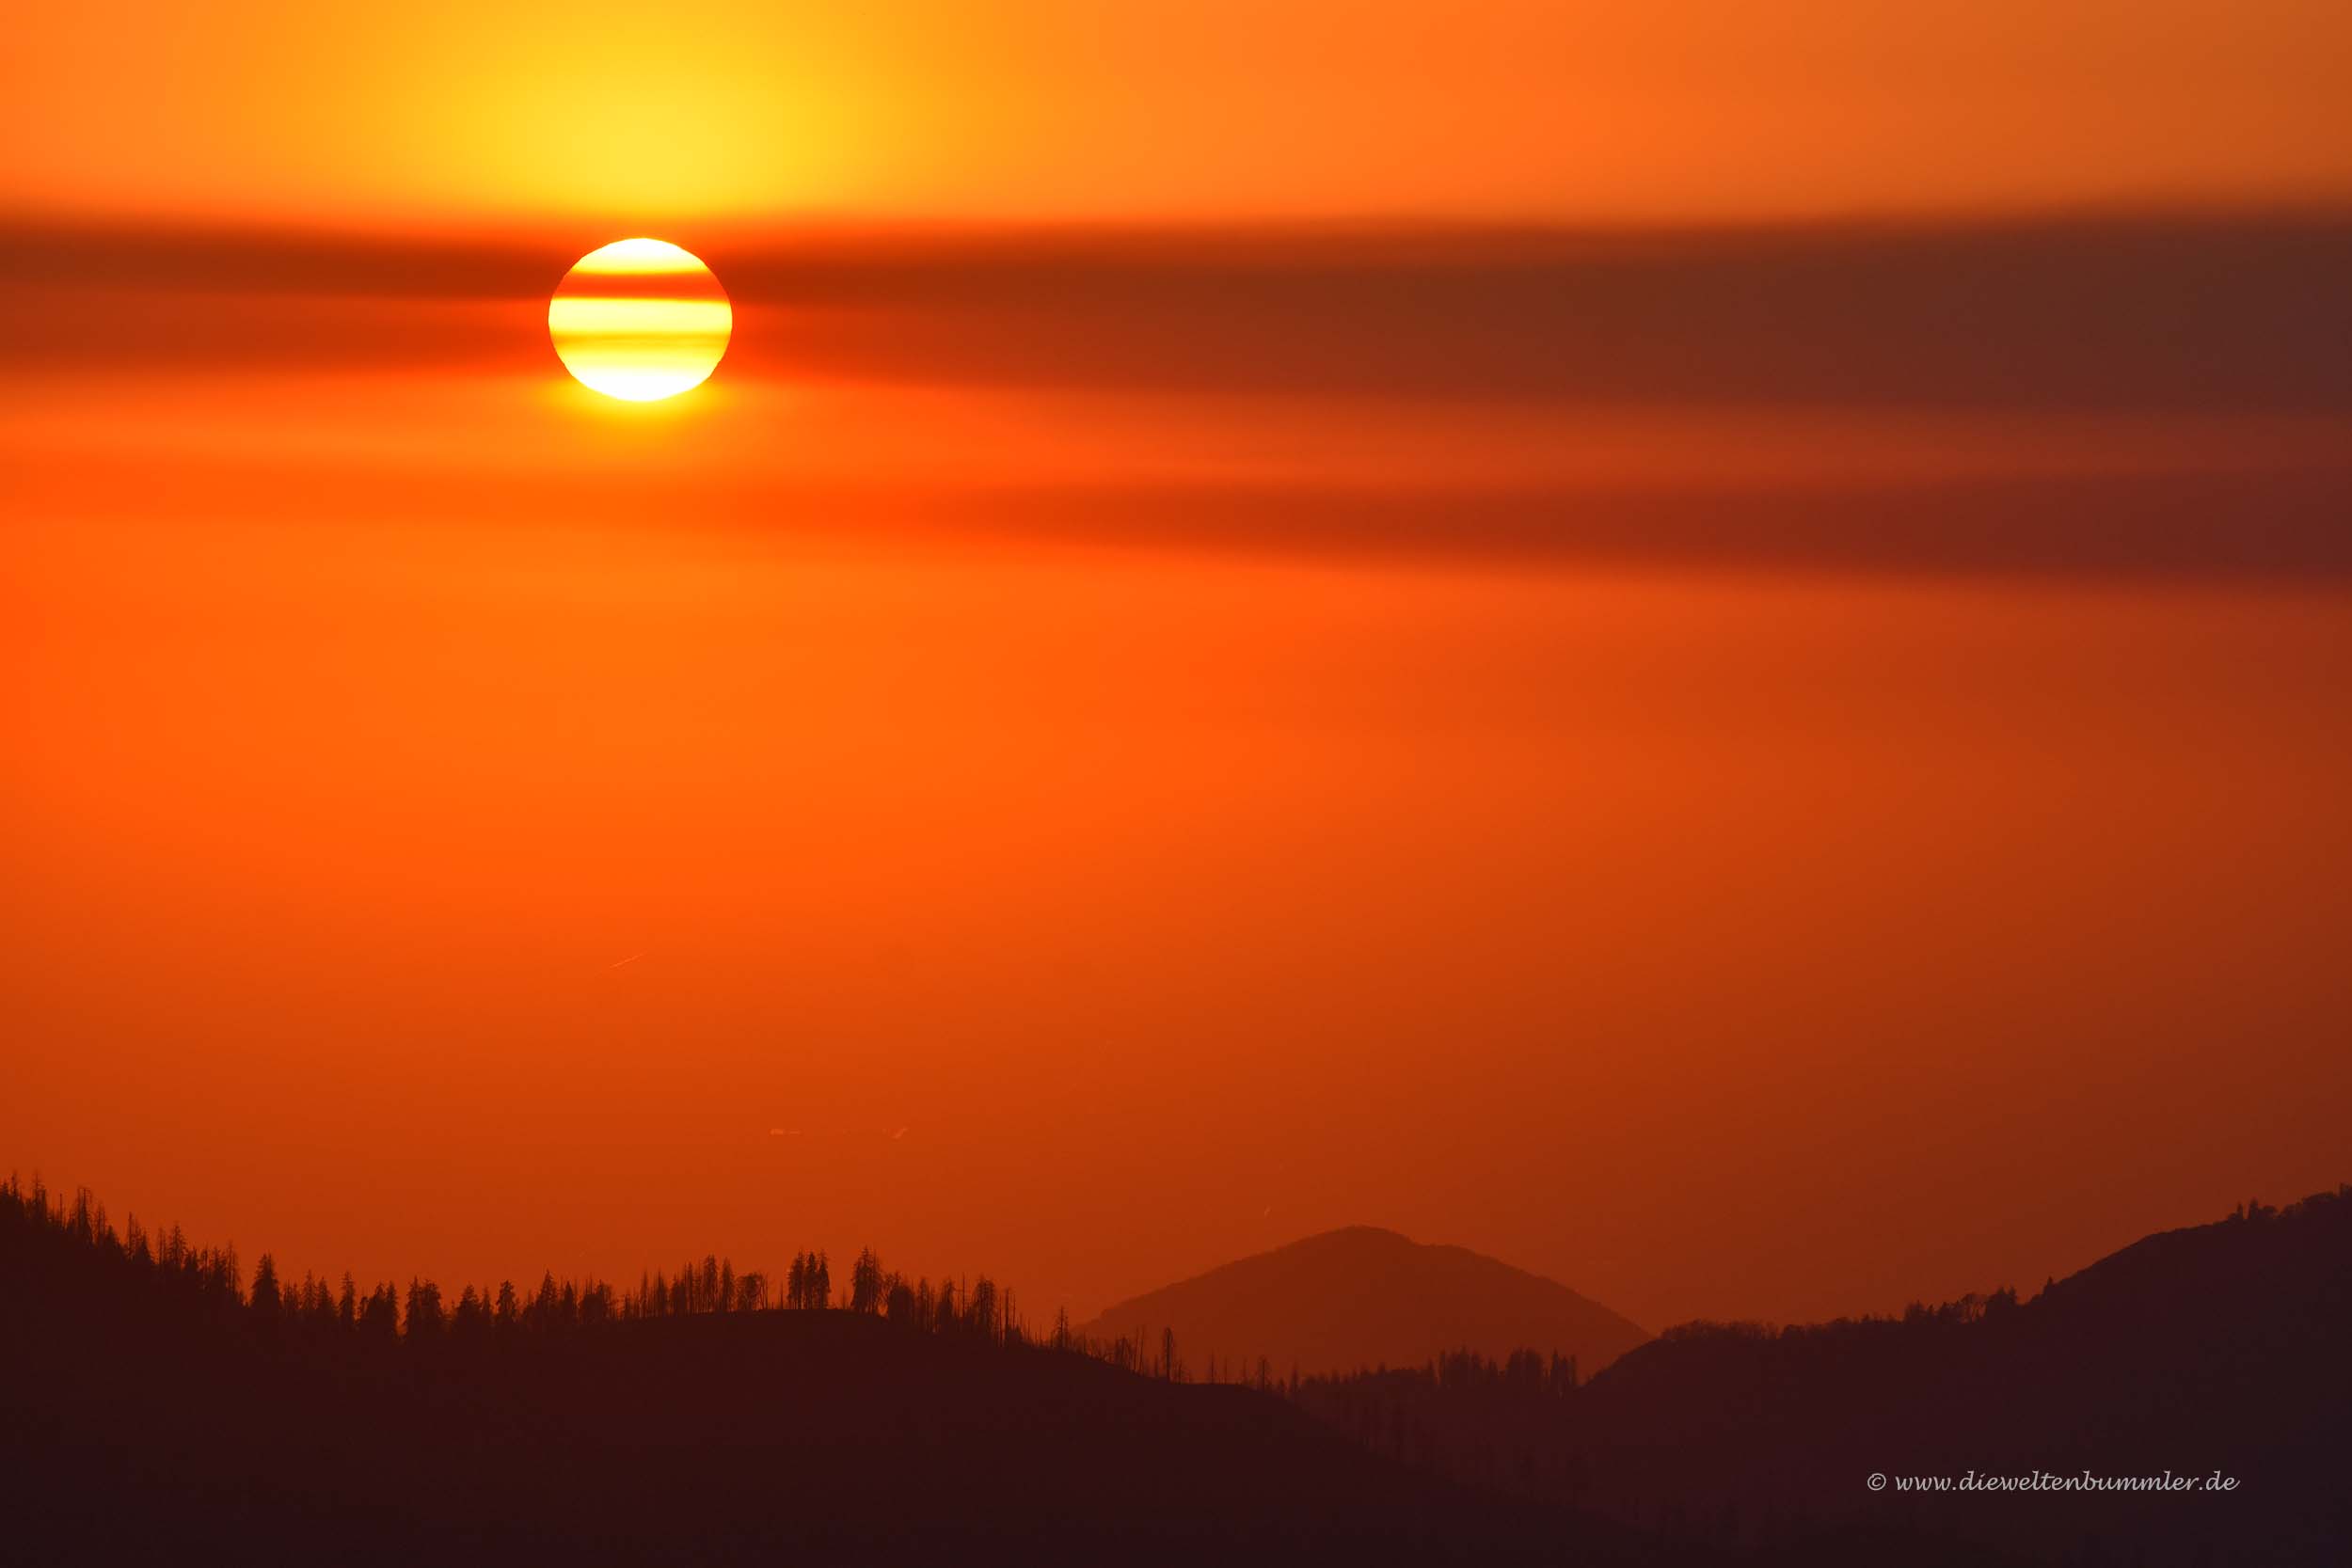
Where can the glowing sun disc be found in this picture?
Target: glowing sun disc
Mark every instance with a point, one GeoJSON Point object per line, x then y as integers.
{"type": "Point", "coordinates": [640, 320]}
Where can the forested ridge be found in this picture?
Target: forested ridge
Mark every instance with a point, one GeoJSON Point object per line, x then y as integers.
{"type": "Point", "coordinates": [161, 1401]}
{"type": "Point", "coordinates": [164, 1405]}
{"type": "Point", "coordinates": [209, 1281]}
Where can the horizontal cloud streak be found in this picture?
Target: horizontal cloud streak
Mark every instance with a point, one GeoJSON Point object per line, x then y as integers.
{"type": "Point", "coordinates": [2280, 526]}
{"type": "Point", "coordinates": [2158, 313]}
{"type": "Point", "coordinates": [2150, 399]}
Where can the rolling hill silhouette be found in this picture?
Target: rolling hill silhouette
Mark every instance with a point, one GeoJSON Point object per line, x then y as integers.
{"type": "Point", "coordinates": [152, 1411]}
{"type": "Point", "coordinates": [153, 1408]}
{"type": "Point", "coordinates": [2219, 1348]}
{"type": "Point", "coordinates": [1365, 1297]}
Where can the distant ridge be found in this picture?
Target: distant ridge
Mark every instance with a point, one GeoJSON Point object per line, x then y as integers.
{"type": "Point", "coordinates": [1363, 1296]}
{"type": "Point", "coordinates": [2220, 1350]}
{"type": "Point", "coordinates": [151, 1411]}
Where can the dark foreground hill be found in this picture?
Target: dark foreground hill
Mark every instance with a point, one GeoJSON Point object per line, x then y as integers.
{"type": "Point", "coordinates": [2221, 1348]}
{"type": "Point", "coordinates": [147, 1417]}
{"type": "Point", "coordinates": [153, 1410]}
{"type": "Point", "coordinates": [1364, 1297]}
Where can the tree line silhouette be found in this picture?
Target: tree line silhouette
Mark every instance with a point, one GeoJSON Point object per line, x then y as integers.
{"type": "Point", "coordinates": [166, 1401]}
{"type": "Point", "coordinates": [316, 1310]}
{"type": "Point", "coordinates": [2225, 1343]}
{"type": "Point", "coordinates": [212, 1277]}
{"type": "Point", "coordinates": [319, 1309]}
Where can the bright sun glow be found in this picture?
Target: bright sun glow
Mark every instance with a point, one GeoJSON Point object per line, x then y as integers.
{"type": "Point", "coordinates": [640, 320]}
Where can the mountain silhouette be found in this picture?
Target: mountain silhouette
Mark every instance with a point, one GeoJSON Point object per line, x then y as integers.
{"type": "Point", "coordinates": [152, 1407]}
{"type": "Point", "coordinates": [2217, 1348]}
{"type": "Point", "coordinates": [1363, 1297]}
{"type": "Point", "coordinates": [152, 1410]}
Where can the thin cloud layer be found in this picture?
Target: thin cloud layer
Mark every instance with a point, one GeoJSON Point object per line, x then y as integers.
{"type": "Point", "coordinates": [1876, 399]}
{"type": "Point", "coordinates": [2182, 312]}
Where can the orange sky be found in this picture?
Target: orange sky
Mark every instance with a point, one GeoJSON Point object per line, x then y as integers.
{"type": "Point", "coordinates": [1218, 108]}
{"type": "Point", "coordinates": [1759, 768]}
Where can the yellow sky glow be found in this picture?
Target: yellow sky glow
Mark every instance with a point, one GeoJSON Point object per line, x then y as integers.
{"type": "Point", "coordinates": [1040, 109]}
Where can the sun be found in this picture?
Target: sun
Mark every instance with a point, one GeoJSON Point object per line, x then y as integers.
{"type": "Point", "coordinates": [640, 320]}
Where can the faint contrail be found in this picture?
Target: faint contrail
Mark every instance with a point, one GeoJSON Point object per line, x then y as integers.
{"type": "Point", "coordinates": [631, 960]}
